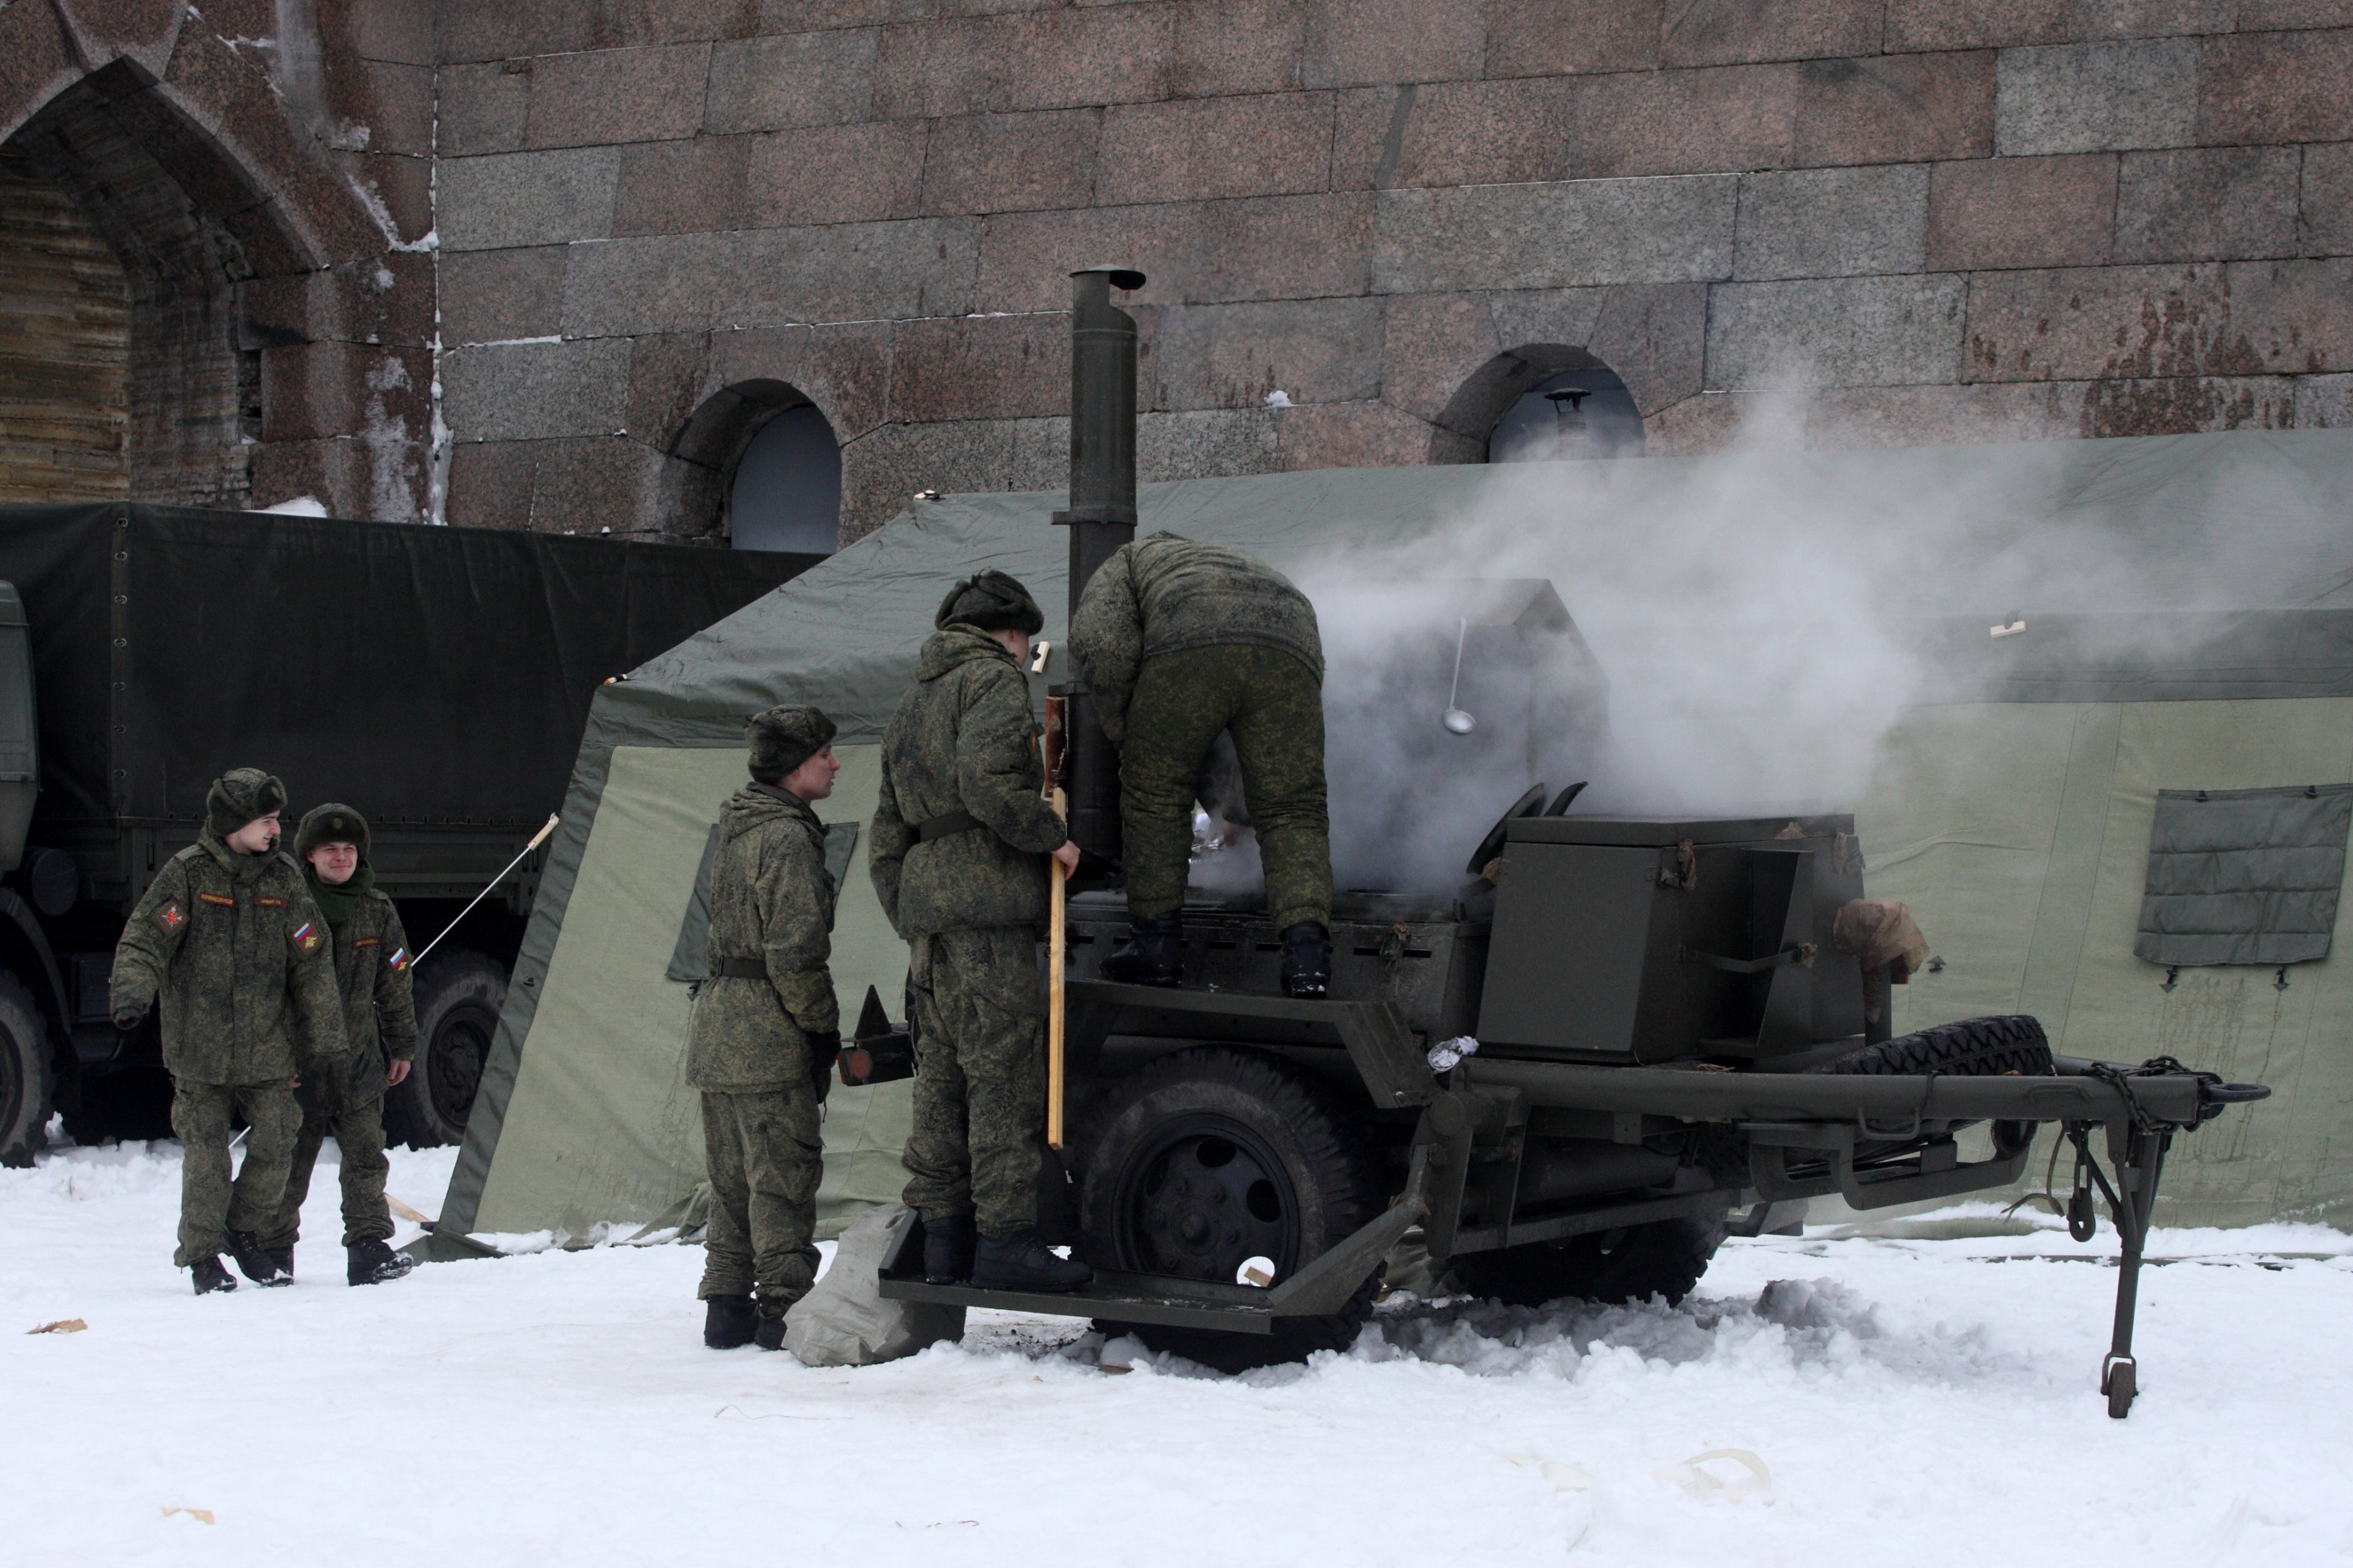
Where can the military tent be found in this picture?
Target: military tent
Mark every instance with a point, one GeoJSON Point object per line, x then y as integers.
{"type": "Point", "coordinates": [2187, 627]}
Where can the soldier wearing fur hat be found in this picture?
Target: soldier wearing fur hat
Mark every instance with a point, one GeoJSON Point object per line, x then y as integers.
{"type": "Point", "coordinates": [227, 939]}
{"type": "Point", "coordinates": [958, 857]}
{"type": "Point", "coordinates": [766, 1031]}
{"type": "Point", "coordinates": [344, 1098]}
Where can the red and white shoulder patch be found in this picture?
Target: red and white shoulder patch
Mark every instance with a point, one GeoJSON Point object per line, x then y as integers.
{"type": "Point", "coordinates": [171, 916]}
{"type": "Point", "coordinates": [399, 959]}
{"type": "Point", "coordinates": [307, 936]}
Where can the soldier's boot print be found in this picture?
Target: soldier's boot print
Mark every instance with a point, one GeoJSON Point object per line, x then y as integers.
{"type": "Point", "coordinates": [1153, 954]}
{"type": "Point", "coordinates": [209, 1276]}
{"type": "Point", "coordinates": [770, 1333]}
{"type": "Point", "coordinates": [374, 1263]}
{"type": "Point", "coordinates": [947, 1249]}
{"type": "Point", "coordinates": [1306, 960]}
{"type": "Point", "coordinates": [1023, 1262]}
{"type": "Point", "coordinates": [254, 1260]}
{"type": "Point", "coordinates": [727, 1323]}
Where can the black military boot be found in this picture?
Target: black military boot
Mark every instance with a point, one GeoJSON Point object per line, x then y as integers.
{"type": "Point", "coordinates": [1153, 954]}
{"type": "Point", "coordinates": [727, 1323]}
{"type": "Point", "coordinates": [770, 1333]}
{"type": "Point", "coordinates": [374, 1263]}
{"type": "Point", "coordinates": [284, 1258]}
{"type": "Point", "coordinates": [1022, 1262]}
{"type": "Point", "coordinates": [253, 1259]}
{"type": "Point", "coordinates": [1306, 960]}
{"type": "Point", "coordinates": [947, 1250]}
{"type": "Point", "coordinates": [211, 1277]}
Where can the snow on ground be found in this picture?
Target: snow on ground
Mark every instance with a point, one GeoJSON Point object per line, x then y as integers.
{"type": "Point", "coordinates": [1917, 1400]}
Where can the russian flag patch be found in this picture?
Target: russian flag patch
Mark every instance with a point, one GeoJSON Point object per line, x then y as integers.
{"type": "Point", "coordinates": [399, 959]}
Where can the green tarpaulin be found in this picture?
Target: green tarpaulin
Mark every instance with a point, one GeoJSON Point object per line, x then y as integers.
{"type": "Point", "coordinates": [2011, 807]}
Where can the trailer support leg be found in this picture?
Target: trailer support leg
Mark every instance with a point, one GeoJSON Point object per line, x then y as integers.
{"type": "Point", "coordinates": [2138, 1153]}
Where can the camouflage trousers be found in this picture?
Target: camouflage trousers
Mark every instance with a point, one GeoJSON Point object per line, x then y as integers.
{"type": "Point", "coordinates": [358, 1132]}
{"type": "Point", "coordinates": [210, 1201]}
{"type": "Point", "coordinates": [765, 1157]}
{"type": "Point", "coordinates": [1274, 707]}
{"type": "Point", "coordinates": [977, 1146]}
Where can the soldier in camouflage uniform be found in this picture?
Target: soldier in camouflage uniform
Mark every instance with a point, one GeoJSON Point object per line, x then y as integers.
{"type": "Point", "coordinates": [959, 853]}
{"type": "Point", "coordinates": [764, 1032]}
{"type": "Point", "coordinates": [228, 937]}
{"type": "Point", "coordinates": [346, 1100]}
{"type": "Point", "coordinates": [1179, 643]}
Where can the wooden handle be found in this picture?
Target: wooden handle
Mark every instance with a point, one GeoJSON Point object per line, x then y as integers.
{"type": "Point", "coordinates": [1054, 949]}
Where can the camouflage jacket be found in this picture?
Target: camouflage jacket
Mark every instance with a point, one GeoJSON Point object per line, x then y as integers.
{"type": "Point", "coordinates": [372, 971]}
{"type": "Point", "coordinates": [241, 961]}
{"type": "Point", "coordinates": [963, 741]}
{"type": "Point", "coordinates": [1163, 594]}
{"type": "Point", "coordinates": [771, 899]}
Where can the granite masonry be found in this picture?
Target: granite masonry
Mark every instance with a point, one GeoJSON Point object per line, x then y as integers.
{"type": "Point", "coordinates": [549, 263]}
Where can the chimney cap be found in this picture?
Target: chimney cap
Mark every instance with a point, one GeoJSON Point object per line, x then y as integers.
{"type": "Point", "coordinates": [1121, 276]}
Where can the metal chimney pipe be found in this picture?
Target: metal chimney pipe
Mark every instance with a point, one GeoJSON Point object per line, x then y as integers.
{"type": "Point", "coordinates": [1100, 518]}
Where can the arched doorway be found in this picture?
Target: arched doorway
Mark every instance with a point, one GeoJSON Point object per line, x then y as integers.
{"type": "Point", "coordinates": [65, 347]}
{"type": "Point", "coordinates": [774, 468]}
{"type": "Point", "coordinates": [1544, 402]}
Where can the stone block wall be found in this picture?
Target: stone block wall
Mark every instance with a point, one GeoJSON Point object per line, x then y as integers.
{"type": "Point", "coordinates": [1892, 220]}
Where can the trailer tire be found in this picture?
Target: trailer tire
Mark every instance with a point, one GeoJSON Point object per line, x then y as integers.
{"type": "Point", "coordinates": [25, 1076]}
{"type": "Point", "coordinates": [1665, 1257]}
{"type": "Point", "coordinates": [459, 995]}
{"type": "Point", "coordinates": [1973, 1048]}
{"type": "Point", "coordinates": [1268, 1146]}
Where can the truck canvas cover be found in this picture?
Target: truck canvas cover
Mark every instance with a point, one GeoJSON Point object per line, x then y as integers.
{"type": "Point", "coordinates": [439, 675]}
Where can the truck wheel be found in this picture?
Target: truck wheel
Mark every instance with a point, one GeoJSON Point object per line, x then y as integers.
{"type": "Point", "coordinates": [459, 995]}
{"type": "Point", "coordinates": [24, 1082]}
{"type": "Point", "coordinates": [1973, 1048]}
{"type": "Point", "coordinates": [1211, 1157]}
{"type": "Point", "coordinates": [1665, 1257]}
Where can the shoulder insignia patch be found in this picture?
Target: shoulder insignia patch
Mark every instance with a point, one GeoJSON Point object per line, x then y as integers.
{"type": "Point", "coordinates": [368, 941]}
{"type": "Point", "coordinates": [171, 916]}
{"type": "Point", "coordinates": [306, 936]}
{"type": "Point", "coordinates": [221, 898]}
{"type": "Point", "coordinates": [399, 959]}
{"type": "Point", "coordinates": [267, 903]}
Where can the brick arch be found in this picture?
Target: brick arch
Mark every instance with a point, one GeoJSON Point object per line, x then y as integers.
{"type": "Point", "coordinates": [277, 329]}
{"type": "Point", "coordinates": [712, 440]}
{"type": "Point", "coordinates": [1469, 416]}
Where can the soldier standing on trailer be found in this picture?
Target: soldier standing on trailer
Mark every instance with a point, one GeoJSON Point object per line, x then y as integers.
{"type": "Point", "coordinates": [346, 1098]}
{"type": "Point", "coordinates": [1181, 642]}
{"type": "Point", "coordinates": [228, 937]}
{"type": "Point", "coordinates": [962, 835]}
{"type": "Point", "coordinates": [766, 1031]}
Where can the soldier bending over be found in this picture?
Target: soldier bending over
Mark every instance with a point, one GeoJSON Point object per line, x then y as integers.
{"type": "Point", "coordinates": [345, 1098]}
{"type": "Point", "coordinates": [1179, 643]}
{"type": "Point", "coordinates": [228, 937]}
{"type": "Point", "coordinates": [766, 1031]}
{"type": "Point", "coordinates": [961, 839]}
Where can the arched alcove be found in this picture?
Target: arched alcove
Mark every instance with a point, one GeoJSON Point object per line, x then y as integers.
{"type": "Point", "coordinates": [771, 468]}
{"type": "Point", "coordinates": [185, 228]}
{"type": "Point", "coordinates": [65, 347]}
{"type": "Point", "coordinates": [1544, 402]}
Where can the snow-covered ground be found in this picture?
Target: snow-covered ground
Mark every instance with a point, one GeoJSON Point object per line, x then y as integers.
{"type": "Point", "coordinates": [1915, 1399]}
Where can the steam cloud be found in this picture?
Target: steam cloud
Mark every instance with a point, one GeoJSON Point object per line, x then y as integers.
{"type": "Point", "coordinates": [1757, 620]}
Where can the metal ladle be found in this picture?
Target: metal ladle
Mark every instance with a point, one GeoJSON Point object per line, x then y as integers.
{"type": "Point", "coordinates": [1457, 720]}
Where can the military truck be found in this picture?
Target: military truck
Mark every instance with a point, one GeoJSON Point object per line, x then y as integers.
{"type": "Point", "coordinates": [437, 679]}
{"type": "Point", "coordinates": [1619, 1039]}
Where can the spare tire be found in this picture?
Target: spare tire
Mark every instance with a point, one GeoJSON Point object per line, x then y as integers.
{"type": "Point", "coordinates": [1973, 1048]}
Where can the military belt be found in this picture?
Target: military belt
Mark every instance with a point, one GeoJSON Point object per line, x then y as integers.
{"type": "Point", "coordinates": [941, 826]}
{"type": "Point", "coordinates": [739, 969]}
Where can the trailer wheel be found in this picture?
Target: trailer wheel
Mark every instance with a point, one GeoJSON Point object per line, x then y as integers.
{"type": "Point", "coordinates": [459, 995]}
{"type": "Point", "coordinates": [25, 1080]}
{"type": "Point", "coordinates": [1211, 1156]}
{"type": "Point", "coordinates": [1665, 1257]}
{"type": "Point", "coordinates": [1973, 1048]}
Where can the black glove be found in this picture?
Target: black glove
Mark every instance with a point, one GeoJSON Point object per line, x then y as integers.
{"type": "Point", "coordinates": [129, 1018]}
{"type": "Point", "coordinates": [824, 1047]}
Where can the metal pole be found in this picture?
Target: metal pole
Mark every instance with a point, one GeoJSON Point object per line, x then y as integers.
{"type": "Point", "coordinates": [536, 840]}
